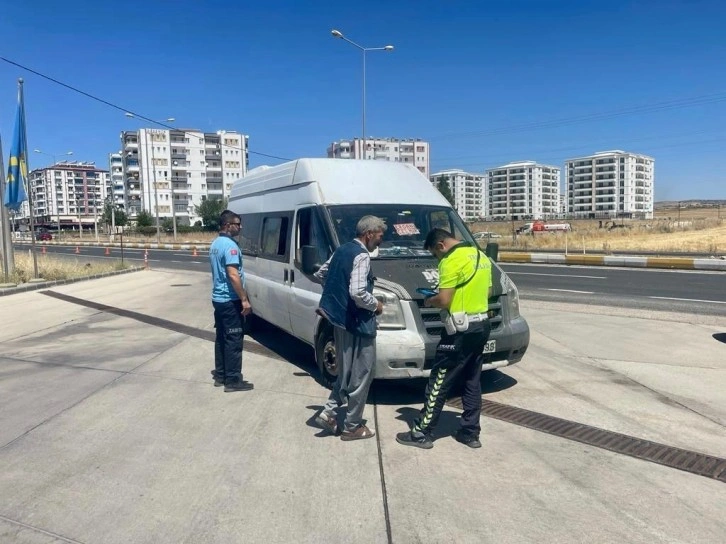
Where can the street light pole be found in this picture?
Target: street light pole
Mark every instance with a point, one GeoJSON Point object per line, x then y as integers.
{"type": "Point", "coordinates": [55, 199]}
{"type": "Point", "coordinates": [364, 50]}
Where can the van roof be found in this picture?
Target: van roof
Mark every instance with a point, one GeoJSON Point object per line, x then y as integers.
{"type": "Point", "coordinates": [345, 181]}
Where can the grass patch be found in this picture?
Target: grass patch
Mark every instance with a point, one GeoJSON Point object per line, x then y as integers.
{"type": "Point", "coordinates": [705, 235]}
{"type": "Point", "coordinates": [53, 268]}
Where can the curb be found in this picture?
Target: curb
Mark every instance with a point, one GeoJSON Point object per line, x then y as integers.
{"type": "Point", "coordinates": [42, 285]}
{"type": "Point", "coordinates": [671, 263]}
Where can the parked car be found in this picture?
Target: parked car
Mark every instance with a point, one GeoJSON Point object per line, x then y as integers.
{"type": "Point", "coordinates": [43, 236]}
{"type": "Point", "coordinates": [485, 235]}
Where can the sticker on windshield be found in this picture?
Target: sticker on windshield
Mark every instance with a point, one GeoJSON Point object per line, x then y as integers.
{"type": "Point", "coordinates": [406, 229]}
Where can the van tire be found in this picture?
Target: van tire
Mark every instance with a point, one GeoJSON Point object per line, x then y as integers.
{"type": "Point", "coordinates": [325, 355]}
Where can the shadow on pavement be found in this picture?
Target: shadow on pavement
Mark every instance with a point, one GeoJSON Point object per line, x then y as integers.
{"type": "Point", "coordinates": [720, 336]}
{"type": "Point", "coordinates": [447, 425]}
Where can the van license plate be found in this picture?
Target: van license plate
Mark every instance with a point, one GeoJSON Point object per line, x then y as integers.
{"type": "Point", "coordinates": [490, 347]}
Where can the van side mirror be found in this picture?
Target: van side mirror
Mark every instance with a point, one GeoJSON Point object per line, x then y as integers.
{"type": "Point", "coordinates": [309, 260]}
{"type": "Point", "coordinates": [492, 251]}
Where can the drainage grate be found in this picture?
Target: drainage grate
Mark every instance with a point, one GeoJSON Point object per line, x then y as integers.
{"type": "Point", "coordinates": [159, 322]}
{"type": "Point", "coordinates": [688, 461]}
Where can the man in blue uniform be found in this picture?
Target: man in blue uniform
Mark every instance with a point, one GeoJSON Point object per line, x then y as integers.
{"type": "Point", "coordinates": [230, 302]}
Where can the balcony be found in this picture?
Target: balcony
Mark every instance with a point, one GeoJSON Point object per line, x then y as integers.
{"type": "Point", "coordinates": [214, 187]}
{"type": "Point", "coordinates": [183, 187]}
{"type": "Point", "coordinates": [178, 154]}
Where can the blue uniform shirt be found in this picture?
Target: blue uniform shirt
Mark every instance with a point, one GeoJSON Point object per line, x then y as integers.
{"type": "Point", "coordinates": [224, 252]}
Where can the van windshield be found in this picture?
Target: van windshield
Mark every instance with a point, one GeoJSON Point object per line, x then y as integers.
{"type": "Point", "coordinates": [408, 226]}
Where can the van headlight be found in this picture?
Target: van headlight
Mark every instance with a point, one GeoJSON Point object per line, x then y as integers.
{"type": "Point", "coordinates": [392, 316]}
{"type": "Point", "coordinates": [512, 299]}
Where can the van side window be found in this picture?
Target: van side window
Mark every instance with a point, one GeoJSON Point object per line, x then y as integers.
{"type": "Point", "coordinates": [310, 232]}
{"type": "Point", "coordinates": [274, 236]}
{"type": "Point", "coordinates": [249, 237]}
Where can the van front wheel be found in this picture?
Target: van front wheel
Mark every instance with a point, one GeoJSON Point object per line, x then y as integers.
{"type": "Point", "coordinates": [325, 356]}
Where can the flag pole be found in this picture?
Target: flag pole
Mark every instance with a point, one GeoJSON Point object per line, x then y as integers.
{"type": "Point", "coordinates": [6, 240]}
{"type": "Point", "coordinates": [21, 99]}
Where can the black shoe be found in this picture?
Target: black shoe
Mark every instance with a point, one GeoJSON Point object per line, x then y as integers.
{"type": "Point", "coordinates": [218, 382]}
{"type": "Point", "coordinates": [468, 440]}
{"type": "Point", "coordinates": [420, 441]}
{"type": "Point", "coordinates": [238, 386]}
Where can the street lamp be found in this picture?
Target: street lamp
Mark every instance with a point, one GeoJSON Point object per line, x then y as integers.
{"type": "Point", "coordinates": [153, 169]}
{"type": "Point", "coordinates": [57, 203]}
{"type": "Point", "coordinates": [364, 50]}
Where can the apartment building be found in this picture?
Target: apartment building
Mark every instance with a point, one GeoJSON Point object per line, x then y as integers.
{"type": "Point", "coordinates": [523, 190]}
{"type": "Point", "coordinates": [413, 151]}
{"type": "Point", "coordinates": [173, 171]}
{"type": "Point", "coordinates": [116, 172]}
{"type": "Point", "coordinates": [610, 184]}
{"type": "Point", "coordinates": [69, 194]}
{"type": "Point", "coordinates": [468, 190]}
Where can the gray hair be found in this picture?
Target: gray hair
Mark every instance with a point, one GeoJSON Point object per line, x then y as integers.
{"type": "Point", "coordinates": [370, 223]}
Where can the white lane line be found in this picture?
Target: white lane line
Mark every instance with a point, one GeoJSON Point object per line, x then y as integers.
{"type": "Point", "coordinates": [572, 291]}
{"type": "Point", "coordinates": [691, 300]}
{"type": "Point", "coordinates": [556, 275]}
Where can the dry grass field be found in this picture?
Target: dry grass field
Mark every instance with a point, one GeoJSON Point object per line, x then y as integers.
{"type": "Point", "coordinates": [50, 268]}
{"type": "Point", "coordinates": [701, 230]}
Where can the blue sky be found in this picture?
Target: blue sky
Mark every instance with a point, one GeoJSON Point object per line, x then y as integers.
{"type": "Point", "coordinates": [467, 76]}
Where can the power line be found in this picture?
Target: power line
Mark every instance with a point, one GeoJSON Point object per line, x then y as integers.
{"type": "Point", "coordinates": [124, 110]}
{"type": "Point", "coordinates": [588, 145]}
{"type": "Point", "coordinates": [633, 110]}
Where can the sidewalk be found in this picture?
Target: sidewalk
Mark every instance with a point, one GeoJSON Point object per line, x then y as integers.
{"type": "Point", "coordinates": [112, 432]}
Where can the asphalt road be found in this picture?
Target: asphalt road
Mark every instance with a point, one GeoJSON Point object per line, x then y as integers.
{"type": "Point", "coordinates": [684, 291]}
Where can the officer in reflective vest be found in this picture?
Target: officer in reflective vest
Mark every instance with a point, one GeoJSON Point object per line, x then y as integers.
{"type": "Point", "coordinates": [465, 283]}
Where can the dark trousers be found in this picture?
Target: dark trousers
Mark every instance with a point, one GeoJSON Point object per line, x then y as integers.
{"type": "Point", "coordinates": [458, 357]}
{"type": "Point", "coordinates": [228, 343]}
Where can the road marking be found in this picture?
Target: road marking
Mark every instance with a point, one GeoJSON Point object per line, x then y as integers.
{"type": "Point", "coordinates": [691, 300]}
{"type": "Point", "coordinates": [572, 291]}
{"type": "Point", "coordinates": [556, 275]}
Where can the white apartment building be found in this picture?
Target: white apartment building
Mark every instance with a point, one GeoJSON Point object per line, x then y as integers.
{"type": "Point", "coordinates": [468, 190]}
{"type": "Point", "coordinates": [523, 190]}
{"type": "Point", "coordinates": [68, 194]}
{"type": "Point", "coordinates": [413, 151]}
{"type": "Point", "coordinates": [610, 184]}
{"type": "Point", "coordinates": [116, 172]}
{"type": "Point", "coordinates": [173, 171]}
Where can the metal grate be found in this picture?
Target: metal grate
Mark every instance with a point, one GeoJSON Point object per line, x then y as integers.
{"type": "Point", "coordinates": [686, 460]}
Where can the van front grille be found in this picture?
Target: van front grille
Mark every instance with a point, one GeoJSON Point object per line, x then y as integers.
{"type": "Point", "coordinates": [432, 318]}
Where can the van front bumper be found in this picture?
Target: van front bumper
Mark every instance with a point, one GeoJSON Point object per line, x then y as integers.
{"type": "Point", "coordinates": [407, 353]}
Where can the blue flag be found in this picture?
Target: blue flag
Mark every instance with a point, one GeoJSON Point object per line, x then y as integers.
{"type": "Point", "coordinates": [15, 193]}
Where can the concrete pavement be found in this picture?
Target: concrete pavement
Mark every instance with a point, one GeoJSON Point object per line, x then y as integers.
{"type": "Point", "coordinates": [112, 432]}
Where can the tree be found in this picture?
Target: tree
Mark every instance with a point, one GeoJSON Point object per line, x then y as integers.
{"type": "Point", "coordinates": [167, 224]}
{"type": "Point", "coordinates": [144, 219]}
{"type": "Point", "coordinates": [120, 219]}
{"type": "Point", "coordinates": [443, 186]}
{"type": "Point", "coordinates": [209, 210]}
